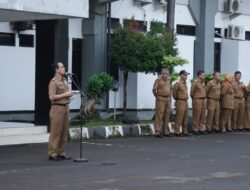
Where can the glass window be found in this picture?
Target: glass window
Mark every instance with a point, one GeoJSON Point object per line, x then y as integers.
{"type": "Point", "coordinates": [26, 40]}
{"type": "Point", "coordinates": [7, 39]}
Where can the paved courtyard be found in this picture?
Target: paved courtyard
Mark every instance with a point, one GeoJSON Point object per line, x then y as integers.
{"type": "Point", "coordinates": [219, 161]}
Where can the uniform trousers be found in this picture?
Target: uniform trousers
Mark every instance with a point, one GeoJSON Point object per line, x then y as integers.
{"type": "Point", "coordinates": [59, 122]}
{"type": "Point", "coordinates": [226, 119]}
{"type": "Point", "coordinates": [247, 118]}
{"type": "Point", "coordinates": [199, 114]}
{"type": "Point", "coordinates": [181, 117]}
{"type": "Point", "coordinates": [213, 114]}
{"type": "Point", "coordinates": [162, 115]}
{"type": "Point", "coordinates": [238, 114]}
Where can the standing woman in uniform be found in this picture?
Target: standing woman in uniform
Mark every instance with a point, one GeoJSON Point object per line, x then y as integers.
{"type": "Point", "coordinates": [59, 95]}
{"type": "Point", "coordinates": [227, 103]}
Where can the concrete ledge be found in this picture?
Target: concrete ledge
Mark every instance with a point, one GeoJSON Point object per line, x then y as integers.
{"type": "Point", "coordinates": [75, 133]}
{"type": "Point", "coordinates": [113, 131]}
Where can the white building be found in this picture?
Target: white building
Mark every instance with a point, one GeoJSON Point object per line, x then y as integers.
{"type": "Point", "coordinates": [81, 44]}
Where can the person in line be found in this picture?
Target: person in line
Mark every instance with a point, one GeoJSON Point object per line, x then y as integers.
{"type": "Point", "coordinates": [198, 95]}
{"type": "Point", "coordinates": [238, 111]}
{"type": "Point", "coordinates": [180, 94]}
{"type": "Point", "coordinates": [247, 108]}
{"type": "Point", "coordinates": [162, 93]}
{"type": "Point", "coordinates": [227, 103]}
{"type": "Point", "coordinates": [213, 91]}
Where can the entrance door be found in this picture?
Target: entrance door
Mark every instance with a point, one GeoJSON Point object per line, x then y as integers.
{"type": "Point", "coordinates": [45, 53]}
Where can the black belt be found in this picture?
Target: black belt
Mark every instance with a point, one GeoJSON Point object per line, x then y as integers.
{"type": "Point", "coordinates": [164, 96]}
{"type": "Point", "coordinates": [58, 104]}
{"type": "Point", "coordinates": [212, 98]}
{"type": "Point", "coordinates": [181, 99]}
{"type": "Point", "coordinates": [203, 98]}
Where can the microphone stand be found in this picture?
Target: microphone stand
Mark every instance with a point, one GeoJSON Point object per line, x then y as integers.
{"type": "Point", "coordinates": [80, 159]}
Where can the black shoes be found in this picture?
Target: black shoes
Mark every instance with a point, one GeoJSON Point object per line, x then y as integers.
{"type": "Point", "coordinates": [59, 158]}
{"type": "Point", "coordinates": [55, 158]}
{"type": "Point", "coordinates": [158, 136]}
{"type": "Point", "coordinates": [63, 157]}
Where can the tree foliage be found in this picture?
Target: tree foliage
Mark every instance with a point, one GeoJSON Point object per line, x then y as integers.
{"type": "Point", "coordinates": [98, 85]}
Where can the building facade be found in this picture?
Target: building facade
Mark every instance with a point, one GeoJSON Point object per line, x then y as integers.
{"type": "Point", "coordinates": [211, 35]}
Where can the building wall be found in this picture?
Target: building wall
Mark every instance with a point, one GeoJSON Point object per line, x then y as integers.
{"type": "Point", "coordinates": [73, 8]}
{"type": "Point", "coordinates": [17, 74]}
{"type": "Point", "coordinates": [140, 85]}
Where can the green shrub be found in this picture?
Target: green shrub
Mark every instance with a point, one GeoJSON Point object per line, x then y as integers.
{"type": "Point", "coordinates": [98, 85]}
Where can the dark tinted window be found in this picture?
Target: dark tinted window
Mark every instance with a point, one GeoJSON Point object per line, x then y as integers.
{"type": "Point", "coordinates": [247, 37]}
{"type": "Point", "coordinates": [26, 40]}
{"type": "Point", "coordinates": [7, 39]}
{"type": "Point", "coordinates": [217, 32]}
{"type": "Point", "coordinates": [186, 30]}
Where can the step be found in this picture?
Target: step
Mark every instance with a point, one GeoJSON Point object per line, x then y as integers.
{"type": "Point", "coordinates": [12, 131]}
{"type": "Point", "coordinates": [24, 139]}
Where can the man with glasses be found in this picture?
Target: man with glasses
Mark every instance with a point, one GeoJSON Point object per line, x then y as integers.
{"type": "Point", "coordinates": [59, 95]}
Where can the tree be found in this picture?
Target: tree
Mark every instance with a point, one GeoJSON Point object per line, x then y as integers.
{"type": "Point", "coordinates": [134, 52]}
{"type": "Point", "coordinates": [126, 49]}
{"type": "Point", "coordinates": [97, 86]}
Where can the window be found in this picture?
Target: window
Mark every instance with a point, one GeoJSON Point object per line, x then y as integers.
{"type": "Point", "coordinates": [7, 39]}
{"type": "Point", "coordinates": [26, 40]}
{"type": "Point", "coordinates": [136, 24]}
{"type": "Point", "coordinates": [217, 33]}
{"type": "Point", "coordinates": [247, 36]}
{"type": "Point", "coordinates": [187, 30]}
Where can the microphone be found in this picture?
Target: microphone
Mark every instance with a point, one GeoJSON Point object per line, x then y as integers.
{"type": "Point", "coordinates": [68, 74]}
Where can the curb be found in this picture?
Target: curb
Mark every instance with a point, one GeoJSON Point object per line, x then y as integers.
{"type": "Point", "coordinates": [113, 131]}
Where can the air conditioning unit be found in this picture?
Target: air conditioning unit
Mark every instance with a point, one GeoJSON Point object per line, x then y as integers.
{"type": "Point", "coordinates": [233, 6]}
{"type": "Point", "coordinates": [142, 2]}
{"type": "Point", "coordinates": [236, 32]}
{"type": "Point", "coordinates": [22, 25]}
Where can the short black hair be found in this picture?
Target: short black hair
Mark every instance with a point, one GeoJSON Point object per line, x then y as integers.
{"type": "Point", "coordinates": [236, 73]}
{"type": "Point", "coordinates": [54, 66]}
{"type": "Point", "coordinates": [200, 72]}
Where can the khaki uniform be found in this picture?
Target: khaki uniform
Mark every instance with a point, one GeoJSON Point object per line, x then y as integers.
{"type": "Point", "coordinates": [227, 105]}
{"type": "Point", "coordinates": [238, 111]}
{"type": "Point", "coordinates": [162, 104]}
{"type": "Point", "coordinates": [59, 118]}
{"type": "Point", "coordinates": [198, 95]}
{"type": "Point", "coordinates": [247, 108]}
{"type": "Point", "coordinates": [180, 95]}
{"type": "Point", "coordinates": [213, 91]}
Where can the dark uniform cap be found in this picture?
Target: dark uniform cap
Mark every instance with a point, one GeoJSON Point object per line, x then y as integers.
{"type": "Point", "coordinates": [184, 72]}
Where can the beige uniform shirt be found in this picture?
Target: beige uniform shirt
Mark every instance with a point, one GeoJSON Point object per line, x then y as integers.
{"type": "Point", "coordinates": [162, 87]}
{"type": "Point", "coordinates": [213, 89]}
{"type": "Point", "coordinates": [180, 90]}
{"type": "Point", "coordinates": [239, 89]}
{"type": "Point", "coordinates": [58, 86]}
{"type": "Point", "coordinates": [227, 96]}
{"type": "Point", "coordinates": [247, 96]}
{"type": "Point", "coordinates": [198, 89]}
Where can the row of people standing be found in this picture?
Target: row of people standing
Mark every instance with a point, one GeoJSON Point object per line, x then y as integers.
{"type": "Point", "coordinates": [216, 106]}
